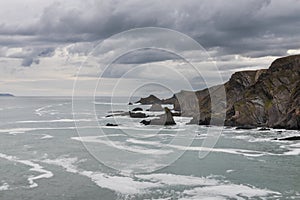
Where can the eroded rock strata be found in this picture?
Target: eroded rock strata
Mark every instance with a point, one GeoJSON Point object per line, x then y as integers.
{"type": "Point", "coordinates": [268, 97]}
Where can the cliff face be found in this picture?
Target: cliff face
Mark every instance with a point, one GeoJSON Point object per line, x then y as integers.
{"type": "Point", "coordinates": [273, 99]}
{"type": "Point", "coordinates": [268, 97]}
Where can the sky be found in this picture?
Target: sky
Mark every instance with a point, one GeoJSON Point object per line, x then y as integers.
{"type": "Point", "coordinates": [55, 47]}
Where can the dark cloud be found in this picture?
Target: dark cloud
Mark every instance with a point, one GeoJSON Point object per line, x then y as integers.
{"type": "Point", "coordinates": [32, 55]}
{"type": "Point", "coordinates": [146, 56]}
{"type": "Point", "coordinates": [28, 61]}
{"type": "Point", "coordinates": [250, 28]}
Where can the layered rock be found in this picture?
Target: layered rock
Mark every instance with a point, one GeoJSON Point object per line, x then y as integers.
{"type": "Point", "coordinates": [267, 97]}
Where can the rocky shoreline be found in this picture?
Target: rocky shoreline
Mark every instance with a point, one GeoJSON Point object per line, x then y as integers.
{"type": "Point", "coordinates": [260, 98]}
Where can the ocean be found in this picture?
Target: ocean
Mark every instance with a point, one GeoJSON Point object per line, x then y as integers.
{"type": "Point", "coordinates": [53, 148]}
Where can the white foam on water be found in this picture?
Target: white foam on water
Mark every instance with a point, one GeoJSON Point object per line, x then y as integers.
{"type": "Point", "coordinates": [295, 145]}
{"type": "Point", "coordinates": [292, 152]}
{"type": "Point", "coordinates": [120, 184]}
{"type": "Point", "coordinates": [46, 137]}
{"type": "Point", "coordinates": [14, 131]}
{"type": "Point", "coordinates": [153, 143]}
{"type": "Point", "coordinates": [229, 171]}
{"type": "Point", "coordinates": [122, 145]}
{"type": "Point", "coordinates": [198, 187]}
{"type": "Point", "coordinates": [143, 150]}
{"type": "Point", "coordinates": [228, 191]}
{"type": "Point", "coordinates": [142, 128]}
{"type": "Point", "coordinates": [243, 152]}
{"type": "Point", "coordinates": [110, 103]}
{"type": "Point", "coordinates": [41, 111]}
{"type": "Point", "coordinates": [4, 186]}
{"type": "Point", "coordinates": [292, 149]}
{"type": "Point", "coordinates": [172, 179]}
{"type": "Point", "coordinates": [55, 121]}
{"type": "Point", "coordinates": [34, 167]}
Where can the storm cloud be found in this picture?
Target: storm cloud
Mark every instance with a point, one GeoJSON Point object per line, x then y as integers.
{"type": "Point", "coordinates": [237, 34]}
{"type": "Point", "coordinates": [251, 28]}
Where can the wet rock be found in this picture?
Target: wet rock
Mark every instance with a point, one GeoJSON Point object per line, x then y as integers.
{"type": "Point", "coordinates": [137, 109]}
{"type": "Point", "coordinates": [267, 97]}
{"type": "Point", "coordinates": [145, 122]}
{"type": "Point", "coordinates": [109, 124]}
{"type": "Point", "coordinates": [197, 121]}
{"type": "Point", "coordinates": [137, 115]}
{"type": "Point", "coordinates": [264, 129]}
{"type": "Point", "coordinates": [245, 127]}
{"type": "Point", "coordinates": [292, 138]}
{"type": "Point", "coordinates": [149, 100]}
{"type": "Point", "coordinates": [165, 119]}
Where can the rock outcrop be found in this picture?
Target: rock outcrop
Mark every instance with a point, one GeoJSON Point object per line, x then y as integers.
{"type": "Point", "coordinates": [137, 109]}
{"type": "Point", "coordinates": [149, 100]}
{"type": "Point", "coordinates": [267, 97]}
{"type": "Point", "coordinates": [110, 124]}
{"type": "Point", "coordinates": [137, 115]}
{"type": "Point", "coordinates": [292, 138]}
{"type": "Point", "coordinates": [165, 119]}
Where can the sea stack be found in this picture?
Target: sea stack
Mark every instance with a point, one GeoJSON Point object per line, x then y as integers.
{"type": "Point", "coordinates": [165, 120]}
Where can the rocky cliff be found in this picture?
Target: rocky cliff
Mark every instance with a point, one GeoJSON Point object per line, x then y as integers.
{"type": "Point", "coordinates": [268, 97]}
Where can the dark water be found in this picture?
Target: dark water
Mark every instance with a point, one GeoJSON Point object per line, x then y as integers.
{"type": "Point", "coordinates": [46, 154]}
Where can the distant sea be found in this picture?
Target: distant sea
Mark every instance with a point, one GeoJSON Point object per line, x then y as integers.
{"type": "Point", "coordinates": [44, 156]}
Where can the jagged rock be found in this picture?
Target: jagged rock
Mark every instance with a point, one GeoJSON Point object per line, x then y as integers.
{"type": "Point", "coordinates": [137, 115]}
{"type": "Point", "coordinates": [145, 122]}
{"type": "Point", "coordinates": [149, 100]}
{"type": "Point", "coordinates": [267, 97]}
{"type": "Point", "coordinates": [109, 124]}
{"type": "Point", "coordinates": [165, 119]}
{"type": "Point", "coordinates": [137, 109]}
{"type": "Point", "coordinates": [196, 120]}
{"type": "Point", "coordinates": [293, 138]}
{"type": "Point", "coordinates": [156, 107]}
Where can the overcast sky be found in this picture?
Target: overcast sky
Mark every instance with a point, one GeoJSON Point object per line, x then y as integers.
{"type": "Point", "coordinates": [44, 43]}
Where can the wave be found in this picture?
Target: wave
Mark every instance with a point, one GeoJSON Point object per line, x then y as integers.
{"type": "Point", "coordinates": [161, 185]}
{"type": "Point", "coordinates": [55, 120]}
{"type": "Point", "coordinates": [4, 186]}
{"type": "Point", "coordinates": [122, 146]}
{"type": "Point", "coordinates": [244, 152]}
{"type": "Point", "coordinates": [120, 184]}
{"type": "Point", "coordinates": [109, 103]}
{"type": "Point", "coordinates": [46, 137]}
{"type": "Point", "coordinates": [41, 111]}
{"type": "Point", "coordinates": [34, 167]}
{"type": "Point", "coordinates": [228, 191]}
{"type": "Point", "coordinates": [14, 131]}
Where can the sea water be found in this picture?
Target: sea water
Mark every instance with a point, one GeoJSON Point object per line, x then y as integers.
{"type": "Point", "coordinates": [44, 155]}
